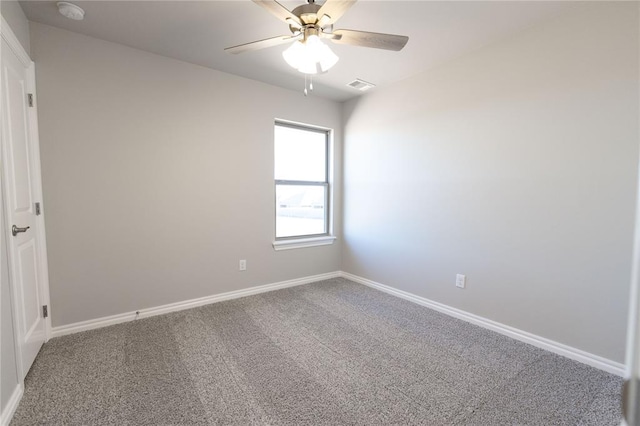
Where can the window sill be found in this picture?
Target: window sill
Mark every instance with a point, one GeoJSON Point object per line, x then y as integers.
{"type": "Point", "coordinates": [303, 242]}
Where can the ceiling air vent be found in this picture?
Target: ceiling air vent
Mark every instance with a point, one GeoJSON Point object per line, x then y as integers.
{"type": "Point", "coordinates": [361, 85]}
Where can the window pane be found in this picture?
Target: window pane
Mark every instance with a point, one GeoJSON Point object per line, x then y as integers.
{"type": "Point", "coordinates": [300, 154]}
{"type": "Point", "coordinates": [300, 210]}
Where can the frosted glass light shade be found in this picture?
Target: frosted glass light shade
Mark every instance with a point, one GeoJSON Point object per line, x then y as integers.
{"type": "Point", "coordinates": [310, 56]}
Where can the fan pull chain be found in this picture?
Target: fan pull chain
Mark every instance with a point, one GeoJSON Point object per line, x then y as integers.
{"type": "Point", "coordinates": [308, 83]}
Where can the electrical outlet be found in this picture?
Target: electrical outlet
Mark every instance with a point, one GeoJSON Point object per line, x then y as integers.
{"type": "Point", "coordinates": [243, 265]}
{"type": "Point", "coordinates": [461, 280]}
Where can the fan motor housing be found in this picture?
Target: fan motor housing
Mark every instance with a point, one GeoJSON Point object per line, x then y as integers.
{"type": "Point", "coordinates": [308, 13]}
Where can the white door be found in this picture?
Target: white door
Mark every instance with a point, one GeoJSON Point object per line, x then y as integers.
{"type": "Point", "coordinates": [631, 389]}
{"type": "Point", "coordinates": [18, 168]}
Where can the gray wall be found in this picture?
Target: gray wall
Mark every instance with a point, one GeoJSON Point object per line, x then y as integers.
{"type": "Point", "coordinates": [515, 165]}
{"type": "Point", "coordinates": [158, 177]}
{"type": "Point", "coordinates": [13, 14]}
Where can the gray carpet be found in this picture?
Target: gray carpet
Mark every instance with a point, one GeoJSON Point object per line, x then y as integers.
{"type": "Point", "coordinates": [328, 353]}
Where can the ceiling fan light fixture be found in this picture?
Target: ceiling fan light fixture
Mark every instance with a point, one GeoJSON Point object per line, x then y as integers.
{"type": "Point", "coordinates": [310, 56]}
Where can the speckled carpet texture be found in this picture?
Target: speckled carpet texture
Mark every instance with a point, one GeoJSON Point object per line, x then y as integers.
{"type": "Point", "coordinates": [328, 353]}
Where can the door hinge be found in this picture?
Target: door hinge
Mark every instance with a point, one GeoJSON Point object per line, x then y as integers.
{"type": "Point", "coordinates": [38, 211]}
{"type": "Point", "coordinates": [45, 311]}
{"type": "Point", "coordinates": [30, 99]}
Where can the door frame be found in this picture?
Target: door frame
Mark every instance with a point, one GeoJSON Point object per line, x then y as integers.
{"type": "Point", "coordinates": [631, 390]}
{"type": "Point", "coordinates": [34, 145]}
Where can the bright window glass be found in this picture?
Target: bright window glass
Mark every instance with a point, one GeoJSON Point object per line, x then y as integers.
{"type": "Point", "coordinates": [300, 210]}
{"type": "Point", "coordinates": [302, 187]}
{"type": "Point", "coordinates": [301, 155]}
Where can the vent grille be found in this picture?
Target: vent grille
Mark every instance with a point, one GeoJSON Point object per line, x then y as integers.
{"type": "Point", "coordinates": [361, 85]}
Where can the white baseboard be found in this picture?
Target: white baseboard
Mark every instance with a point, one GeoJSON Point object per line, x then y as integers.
{"type": "Point", "coordinates": [524, 336]}
{"type": "Point", "coordinates": [187, 304]}
{"type": "Point", "coordinates": [7, 413]}
{"type": "Point", "coordinates": [532, 339]}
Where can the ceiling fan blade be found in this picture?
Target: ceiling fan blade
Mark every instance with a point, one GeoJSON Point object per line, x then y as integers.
{"type": "Point", "coordinates": [262, 44]}
{"type": "Point", "coordinates": [332, 10]}
{"type": "Point", "coordinates": [279, 11]}
{"type": "Point", "coordinates": [367, 39]}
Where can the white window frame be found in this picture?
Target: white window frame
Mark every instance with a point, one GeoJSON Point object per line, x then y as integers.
{"type": "Point", "coordinates": [326, 238]}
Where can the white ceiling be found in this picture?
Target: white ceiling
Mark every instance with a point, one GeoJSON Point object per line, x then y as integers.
{"type": "Point", "coordinates": [198, 31]}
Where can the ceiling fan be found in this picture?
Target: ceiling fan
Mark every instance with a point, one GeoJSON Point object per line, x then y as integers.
{"type": "Point", "coordinates": [309, 23]}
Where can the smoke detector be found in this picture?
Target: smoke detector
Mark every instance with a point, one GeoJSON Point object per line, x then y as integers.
{"type": "Point", "coordinates": [70, 10]}
{"type": "Point", "coordinates": [361, 85]}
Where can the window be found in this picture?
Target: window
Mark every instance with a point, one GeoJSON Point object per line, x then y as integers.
{"type": "Point", "coordinates": [301, 183]}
